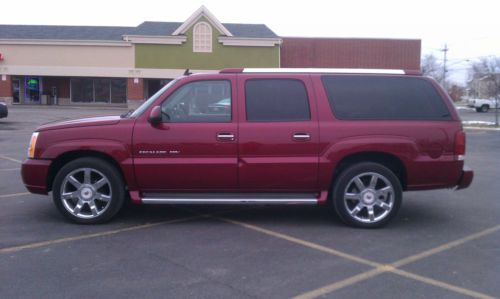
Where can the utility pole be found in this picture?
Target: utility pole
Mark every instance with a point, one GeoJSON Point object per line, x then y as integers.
{"type": "Point", "coordinates": [445, 70]}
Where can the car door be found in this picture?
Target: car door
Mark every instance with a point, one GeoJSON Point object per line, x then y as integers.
{"type": "Point", "coordinates": [194, 148]}
{"type": "Point", "coordinates": [278, 133]}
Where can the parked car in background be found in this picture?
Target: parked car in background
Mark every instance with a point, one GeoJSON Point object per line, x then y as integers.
{"type": "Point", "coordinates": [350, 139]}
{"type": "Point", "coordinates": [4, 112]}
{"type": "Point", "coordinates": [483, 105]}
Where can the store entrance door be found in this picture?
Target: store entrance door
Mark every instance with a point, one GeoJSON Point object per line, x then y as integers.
{"type": "Point", "coordinates": [33, 90]}
{"type": "Point", "coordinates": [16, 91]}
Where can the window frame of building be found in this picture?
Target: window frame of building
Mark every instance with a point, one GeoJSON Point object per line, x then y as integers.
{"type": "Point", "coordinates": [112, 99]}
{"type": "Point", "coordinates": [202, 41]}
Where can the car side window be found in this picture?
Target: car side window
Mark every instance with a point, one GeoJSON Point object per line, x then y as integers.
{"type": "Point", "coordinates": [199, 101]}
{"type": "Point", "coordinates": [276, 100]}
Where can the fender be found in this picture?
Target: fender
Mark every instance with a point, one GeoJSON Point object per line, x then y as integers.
{"type": "Point", "coordinates": [401, 147]}
{"type": "Point", "coordinates": [119, 152]}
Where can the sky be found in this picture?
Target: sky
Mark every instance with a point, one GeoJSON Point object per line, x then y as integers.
{"type": "Point", "coordinates": [471, 29]}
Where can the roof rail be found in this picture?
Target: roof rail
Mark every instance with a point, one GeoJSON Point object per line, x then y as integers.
{"type": "Point", "coordinates": [321, 70]}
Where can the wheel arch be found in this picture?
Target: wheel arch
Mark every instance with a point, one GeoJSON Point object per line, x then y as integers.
{"type": "Point", "coordinates": [67, 157]}
{"type": "Point", "coordinates": [390, 161]}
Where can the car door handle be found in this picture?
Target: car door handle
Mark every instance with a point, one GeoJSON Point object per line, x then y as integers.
{"type": "Point", "coordinates": [225, 136]}
{"type": "Point", "coordinates": [301, 136]}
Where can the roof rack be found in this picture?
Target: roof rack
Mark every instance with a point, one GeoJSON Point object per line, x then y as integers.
{"type": "Point", "coordinates": [322, 70]}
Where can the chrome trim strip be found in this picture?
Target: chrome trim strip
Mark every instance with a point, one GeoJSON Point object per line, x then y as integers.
{"type": "Point", "coordinates": [268, 201]}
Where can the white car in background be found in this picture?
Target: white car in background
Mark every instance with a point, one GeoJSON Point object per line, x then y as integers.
{"type": "Point", "coordinates": [482, 105]}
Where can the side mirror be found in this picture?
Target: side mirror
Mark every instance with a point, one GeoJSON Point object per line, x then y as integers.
{"type": "Point", "coordinates": [155, 116]}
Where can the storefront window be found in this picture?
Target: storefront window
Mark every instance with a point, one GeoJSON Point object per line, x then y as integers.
{"type": "Point", "coordinates": [118, 91]}
{"type": "Point", "coordinates": [98, 90]}
{"type": "Point", "coordinates": [102, 90]}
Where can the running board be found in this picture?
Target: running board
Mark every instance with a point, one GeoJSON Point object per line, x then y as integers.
{"type": "Point", "coordinates": [232, 198]}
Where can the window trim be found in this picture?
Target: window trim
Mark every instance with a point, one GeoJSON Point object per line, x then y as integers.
{"type": "Point", "coordinates": [231, 118]}
{"type": "Point", "coordinates": [308, 100]}
{"type": "Point", "coordinates": [196, 47]}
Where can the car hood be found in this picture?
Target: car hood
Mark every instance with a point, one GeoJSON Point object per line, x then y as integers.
{"type": "Point", "coordinates": [83, 122]}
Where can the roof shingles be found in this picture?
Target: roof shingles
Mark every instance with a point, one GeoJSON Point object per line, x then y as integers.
{"type": "Point", "coordinates": [103, 33]}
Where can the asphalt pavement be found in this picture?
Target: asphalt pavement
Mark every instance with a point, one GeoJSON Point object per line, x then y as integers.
{"type": "Point", "coordinates": [443, 243]}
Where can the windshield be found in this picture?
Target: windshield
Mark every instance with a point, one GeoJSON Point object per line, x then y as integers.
{"type": "Point", "coordinates": [152, 99]}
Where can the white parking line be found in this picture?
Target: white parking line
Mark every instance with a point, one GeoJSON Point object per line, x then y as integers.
{"type": "Point", "coordinates": [10, 169]}
{"type": "Point", "coordinates": [10, 159]}
{"type": "Point", "coordinates": [14, 194]}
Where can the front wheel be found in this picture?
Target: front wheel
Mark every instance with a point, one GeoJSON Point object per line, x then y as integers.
{"type": "Point", "coordinates": [367, 195]}
{"type": "Point", "coordinates": [485, 108]}
{"type": "Point", "coordinates": [88, 190]}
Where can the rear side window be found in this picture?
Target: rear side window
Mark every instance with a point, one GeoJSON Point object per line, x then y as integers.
{"type": "Point", "coordinates": [384, 98]}
{"type": "Point", "coordinates": [276, 100]}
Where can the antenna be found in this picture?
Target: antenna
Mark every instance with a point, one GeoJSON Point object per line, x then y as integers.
{"type": "Point", "coordinates": [187, 72]}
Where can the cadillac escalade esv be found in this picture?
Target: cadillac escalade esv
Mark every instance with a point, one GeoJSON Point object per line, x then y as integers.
{"type": "Point", "coordinates": [351, 139]}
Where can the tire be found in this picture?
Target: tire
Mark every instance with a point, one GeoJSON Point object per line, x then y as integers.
{"type": "Point", "coordinates": [478, 109]}
{"type": "Point", "coordinates": [370, 202]}
{"type": "Point", "coordinates": [88, 191]}
{"type": "Point", "coordinates": [485, 108]}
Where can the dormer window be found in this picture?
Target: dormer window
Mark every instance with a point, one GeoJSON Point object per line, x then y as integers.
{"type": "Point", "coordinates": [202, 37]}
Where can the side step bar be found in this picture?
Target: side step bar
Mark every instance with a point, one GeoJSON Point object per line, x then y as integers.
{"type": "Point", "coordinates": [247, 201]}
{"type": "Point", "coordinates": [232, 198]}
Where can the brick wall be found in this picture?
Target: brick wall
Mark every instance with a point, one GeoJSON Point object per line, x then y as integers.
{"type": "Point", "coordinates": [135, 91]}
{"type": "Point", "coordinates": [5, 87]}
{"type": "Point", "coordinates": [350, 53]}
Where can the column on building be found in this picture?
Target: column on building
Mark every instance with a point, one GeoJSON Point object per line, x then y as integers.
{"type": "Point", "coordinates": [6, 89]}
{"type": "Point", "coordinates": [135, 92]}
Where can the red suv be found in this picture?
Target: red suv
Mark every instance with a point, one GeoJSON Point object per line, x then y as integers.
{"type": "Point", "coordinates": [352, 139]}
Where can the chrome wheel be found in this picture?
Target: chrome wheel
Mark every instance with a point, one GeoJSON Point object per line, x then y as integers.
{"type": "Point", "coordinates": [86, 193]}
{"type": "Point", "coordinates": [369, 197]}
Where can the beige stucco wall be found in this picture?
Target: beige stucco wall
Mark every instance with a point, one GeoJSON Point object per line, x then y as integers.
{"type": "Point", "coordinates": [63, 55]}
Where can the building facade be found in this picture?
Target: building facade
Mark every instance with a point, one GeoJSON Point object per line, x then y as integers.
{"type": "Point", "coordinates": [119, 66]}
{"type": "Point", "coordinates": [122, 65]}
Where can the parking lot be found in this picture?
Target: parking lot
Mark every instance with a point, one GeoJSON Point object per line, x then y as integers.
{"type": "Point", "coordinates": [443, 243]}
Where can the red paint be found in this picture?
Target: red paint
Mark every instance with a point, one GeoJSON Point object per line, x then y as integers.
{"type": "Point", "coordinates": [263, 157]}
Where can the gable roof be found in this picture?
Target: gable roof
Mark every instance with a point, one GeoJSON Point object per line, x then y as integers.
{"type": "Point", "coordinates": [198, 14]}
{"type": "Point", "coordinates": [237, 30]}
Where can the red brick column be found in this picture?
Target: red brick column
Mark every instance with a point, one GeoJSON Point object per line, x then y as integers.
{"type": "Point", "coordinates": [135, 92]}
{"type": "Point", "coordinates": [5, 86]}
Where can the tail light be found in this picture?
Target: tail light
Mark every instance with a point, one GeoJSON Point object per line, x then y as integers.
{"type": "Point", "coordinates": [460, 145]}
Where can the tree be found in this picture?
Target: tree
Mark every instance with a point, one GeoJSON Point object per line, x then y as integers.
{"type": "Point", "coordinates": [484, 77]}
{"type": "Point", "coordinates": [456, 92]}
{"type": "Point", "coordinates": [431, 67]}
{"type": "Point", "coordinates": [485, 80]}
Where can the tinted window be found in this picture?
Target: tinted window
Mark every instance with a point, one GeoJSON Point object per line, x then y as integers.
{"type": "Point", "coordinates": [200, 101]}
{"type": "Point", "coordinates": [390, 98]}
{"type": "Point", "coordinates": [276, 100]}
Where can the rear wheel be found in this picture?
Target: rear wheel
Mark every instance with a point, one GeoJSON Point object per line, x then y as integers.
{"type": "Point", "coordinates": [485, 108]}
{"type": "Point", "coordinates": [88, 190]}
{"type": "Point", "coordinates": [367, 195]}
